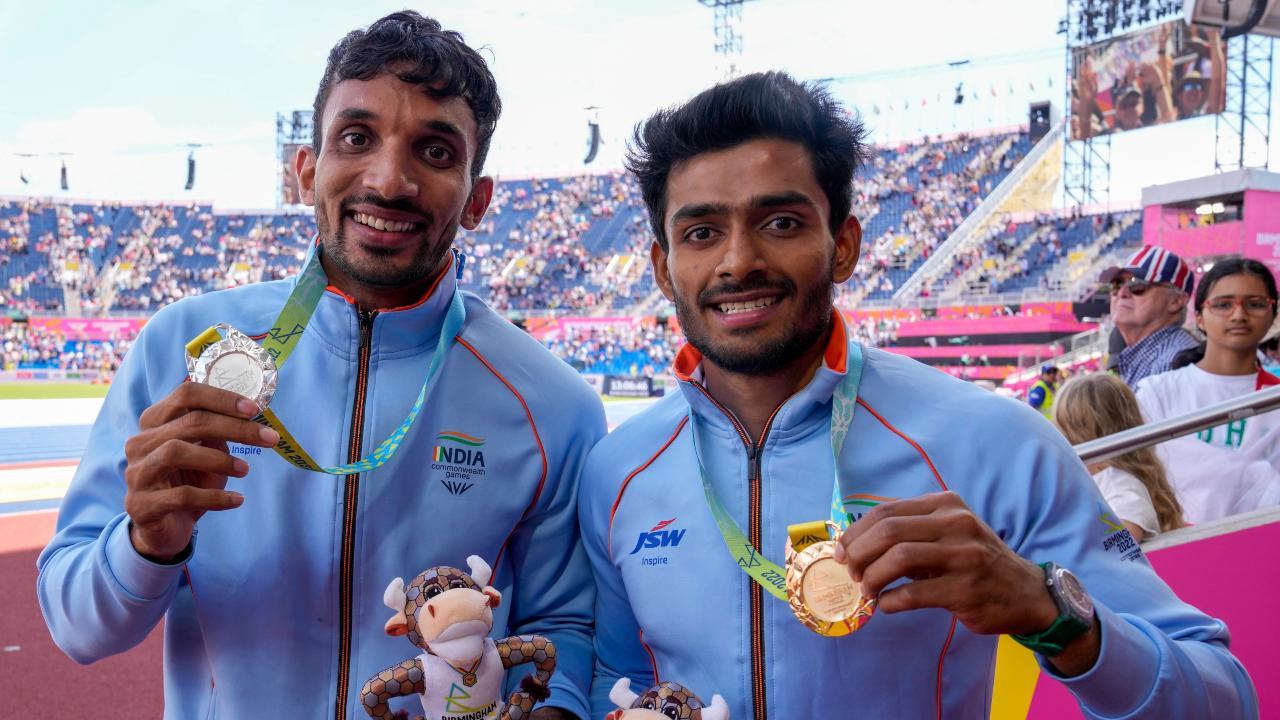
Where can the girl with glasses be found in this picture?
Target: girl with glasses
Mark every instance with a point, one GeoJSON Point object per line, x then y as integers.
{"type": "Point", "coordinates": [1234, 467]}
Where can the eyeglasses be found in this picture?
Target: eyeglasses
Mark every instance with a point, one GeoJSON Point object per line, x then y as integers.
{"type": "Point", "coordinates": [1136, 285]}
{"type": "Point", "coordinates": [1254, 305]}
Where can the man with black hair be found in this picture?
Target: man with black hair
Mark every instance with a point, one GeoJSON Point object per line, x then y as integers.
{"type": "Point", "coordinates": [276, 610]}
{"type": "Point", "coordinates": [948, 495]}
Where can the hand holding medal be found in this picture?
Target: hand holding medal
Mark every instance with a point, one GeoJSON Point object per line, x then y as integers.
{"type": "Point", "coordinates": [822, 595]}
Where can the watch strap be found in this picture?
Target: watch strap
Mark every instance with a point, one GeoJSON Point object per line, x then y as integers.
{"type": "Point", "coordinates": [1054, 639]}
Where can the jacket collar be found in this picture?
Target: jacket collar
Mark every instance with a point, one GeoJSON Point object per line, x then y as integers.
{"type": "Point", "coordinates": [807, 406]}
{"type": "Point", "coordinates": [400, 329]}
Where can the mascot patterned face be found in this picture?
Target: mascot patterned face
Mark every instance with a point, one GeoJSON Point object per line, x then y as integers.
{"type": "Point", "coordinates": [664, 701]}
{"type": "Point", "coordinates": [444, 610]}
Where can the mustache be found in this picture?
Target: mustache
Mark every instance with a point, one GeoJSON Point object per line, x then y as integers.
{"type": "Point", "coordinates": [378, 201]}
{"type": "Point", "coordinates": [732, 287]}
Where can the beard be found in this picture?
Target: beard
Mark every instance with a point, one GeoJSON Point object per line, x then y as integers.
{"type": "Point", "coordinates": [423, 265]}
{"type": "Point", "coordinates": [768, 355]}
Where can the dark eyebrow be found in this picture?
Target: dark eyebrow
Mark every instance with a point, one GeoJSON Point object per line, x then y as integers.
{"type": "Point", "coordinates": [783, 199]}
{"type": "Point", "coordinates": [701, 210]}
{"type": "Point", "coordinates": [775, 200]}
{"type": "Point", "coordinates": [444, 127]}
{"type": "Point", "coordinates": [355, 115]}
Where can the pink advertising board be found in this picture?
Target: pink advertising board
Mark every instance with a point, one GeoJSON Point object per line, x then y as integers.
{"type": "Point", "coordinates": [1230, 577]}
{"type": "Point", "coordinates": [90, 328]}
{"type": "Point", "coordinates": [1256, 235]}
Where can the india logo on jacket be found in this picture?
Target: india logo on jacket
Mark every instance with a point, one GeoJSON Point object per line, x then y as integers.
{"type": "Point", "coordinates": [459, 456]}
{"type": "Point", "coordinates": [661, 535]}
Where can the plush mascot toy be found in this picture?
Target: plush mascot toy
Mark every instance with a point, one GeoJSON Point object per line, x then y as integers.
{"type": "Point", "coordinates": [448, 615]}
{"type": "Point", "coordinates": [664, 701]}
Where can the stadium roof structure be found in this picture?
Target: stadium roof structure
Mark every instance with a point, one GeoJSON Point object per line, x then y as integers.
{"type": "Point", "coordinates": [1229, 183]}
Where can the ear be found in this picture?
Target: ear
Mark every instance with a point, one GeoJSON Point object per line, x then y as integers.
{"type": "Point", "coordinates": [848, 247]}
{"type": "Point", "coordinates": [495, 597]}
{"type": "Point", "coordinates": [304, 164]}
{"type": "Point", "coordinates": [717, 710]}
{"type": "Point", "coordinates": [661, 274]}
{"type": "Point", "coordinates": [621, 694]}
{"type": "Point", "coordinates": [397, 626]}
{"type": "Point", "coordinates": [477, 203]}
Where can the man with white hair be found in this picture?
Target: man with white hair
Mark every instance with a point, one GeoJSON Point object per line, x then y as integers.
{"type": "Point", "coordinates": [1148, 304]}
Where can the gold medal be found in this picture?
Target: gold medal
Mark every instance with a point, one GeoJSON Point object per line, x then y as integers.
{"type": "Point", "coordinates": [822, 595]}
{"type": "Point", "coordinates": [232, 361]}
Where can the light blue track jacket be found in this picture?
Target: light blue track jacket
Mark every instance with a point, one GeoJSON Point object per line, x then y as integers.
{"type": "Point", "coordinates": [278, 612]}
{"type": "Point", "coordinates": [671, 601]}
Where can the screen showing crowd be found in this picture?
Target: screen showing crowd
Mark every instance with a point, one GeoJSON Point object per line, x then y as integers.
{"type": "Point", "coordinates": [1157, 75]}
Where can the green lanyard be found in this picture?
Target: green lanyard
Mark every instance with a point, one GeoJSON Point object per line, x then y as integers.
{"type": "Point", "coordinates": [844, 401]}
{"type": "Point", "coordinates": [280, 343]}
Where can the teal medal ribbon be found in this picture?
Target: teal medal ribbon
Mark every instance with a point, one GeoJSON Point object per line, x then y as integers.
{"type": "Point", "coordinates": [280, 343]}
{"type": "Point", "coordinates": [771, 576]}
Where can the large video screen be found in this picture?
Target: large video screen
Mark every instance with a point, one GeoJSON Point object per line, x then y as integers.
{"type": "Point", "coordinates": [288, 178]}
{"type": "Point", "coordinates": [1154, 76]}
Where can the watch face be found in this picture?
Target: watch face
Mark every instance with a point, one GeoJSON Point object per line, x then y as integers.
{"type": "Point", "coordinates": [1071, 591]}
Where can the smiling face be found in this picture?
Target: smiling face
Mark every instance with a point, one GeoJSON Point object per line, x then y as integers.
{"type": "Point", "coordinates": [391, 185]}
{"type": "Point", "coordinates": [751, 260]}
{"type": "Point", "coordinates": [1190, 97]}
{"type": "Point", "coordinates": [1240, 330]}
{"type": "Point", "coordinates": [1129, 111]}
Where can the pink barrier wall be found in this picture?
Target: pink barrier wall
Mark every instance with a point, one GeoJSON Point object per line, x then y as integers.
{"type": "Point", "coordinates": [955, 351]}
{"type": "Point", "coordinates": [89, 328]}
{"type": "Point", "coordinates": [993, 326]}
{"type": "Point", "coordinates": [1229, 578]}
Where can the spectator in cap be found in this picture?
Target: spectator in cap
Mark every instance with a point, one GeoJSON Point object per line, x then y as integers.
{"type": "Point", "coordinates": [1192, 93]}
{"type": "Point", "coordinates": [1148, 304]}
{"type": "Point", "coordinates": [1040, 396]}
{"type": "Point", "coordinates": [1129, 109]}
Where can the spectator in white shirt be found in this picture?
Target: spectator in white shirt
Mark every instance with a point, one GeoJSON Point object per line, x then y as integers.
{"type": "Point", "coordinates": [1234, 467]}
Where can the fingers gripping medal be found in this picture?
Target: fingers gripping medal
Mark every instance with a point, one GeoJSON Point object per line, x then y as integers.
{"type": "Point", "coordinates": [822, 595]}
{"type": "Point", "coordinates": [228, 359]}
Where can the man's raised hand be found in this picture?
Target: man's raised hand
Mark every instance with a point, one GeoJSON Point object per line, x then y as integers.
{"type": "Point", "coordinates": [178, 464]}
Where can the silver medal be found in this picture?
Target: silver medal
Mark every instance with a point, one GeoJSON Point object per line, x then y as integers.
{"type": "Point", "coordinates": [238, 364]}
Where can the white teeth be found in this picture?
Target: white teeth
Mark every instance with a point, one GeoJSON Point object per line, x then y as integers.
{"type": "Point", "coordinates": [731, 308]}
{"type": "Point", "coordinates": [380, 224]}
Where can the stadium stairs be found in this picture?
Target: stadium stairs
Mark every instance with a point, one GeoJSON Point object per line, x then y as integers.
{"type": "Point", "coordinates": [1027, 188]}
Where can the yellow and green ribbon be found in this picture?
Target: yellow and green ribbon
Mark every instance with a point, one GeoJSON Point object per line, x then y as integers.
{"type": "Point", "coordinates": [280, 342]}
{"type": "Point", "coordinates": [764, 571]}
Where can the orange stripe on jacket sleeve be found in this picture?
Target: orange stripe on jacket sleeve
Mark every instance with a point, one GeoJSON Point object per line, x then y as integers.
{"type": "Point", "coordinates": [542, 453]}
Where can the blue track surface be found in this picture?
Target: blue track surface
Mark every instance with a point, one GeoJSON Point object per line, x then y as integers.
{"type": "Point", "coordinates": [31, 444]}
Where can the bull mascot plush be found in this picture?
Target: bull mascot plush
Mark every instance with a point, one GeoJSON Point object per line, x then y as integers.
{"type": "Point", "coordinates": [448, 614]}
{"type": "Point", "coordinates": [664, 701]}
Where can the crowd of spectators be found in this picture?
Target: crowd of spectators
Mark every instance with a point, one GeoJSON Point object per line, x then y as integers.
{"type": "Point", "coordinates": [24, 346]}
{"type": "Point", "coordinates": [932, 195]}
{"type": "Point", "coordinates": [540, 262]}
{"type": "Point", "coordinates": [617, 349]}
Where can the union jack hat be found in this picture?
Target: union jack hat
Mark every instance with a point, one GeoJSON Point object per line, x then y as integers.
{"type": "Point", "coordinates": [1155, 265]}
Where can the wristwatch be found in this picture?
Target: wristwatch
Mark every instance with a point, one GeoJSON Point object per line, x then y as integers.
{"type": "Point", "coordinates": [1075, 613]}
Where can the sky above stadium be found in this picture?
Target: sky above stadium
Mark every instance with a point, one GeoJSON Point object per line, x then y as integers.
{"type": "Point", "coordinates": [124, 87]}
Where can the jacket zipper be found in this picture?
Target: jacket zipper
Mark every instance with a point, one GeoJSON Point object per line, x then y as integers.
{"type": "Point", "coordinates": [754, 452]}
{"type": "Point", "coordinates": [352, 493]}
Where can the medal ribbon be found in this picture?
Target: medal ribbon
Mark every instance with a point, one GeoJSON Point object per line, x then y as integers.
{"type": "Point", "coordinates": [279, 343]}
{"type": "Point", "coordinates": [769, 574]}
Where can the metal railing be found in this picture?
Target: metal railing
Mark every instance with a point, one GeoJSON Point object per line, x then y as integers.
{"type": "Point", "coordinates": [1158, 432]}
